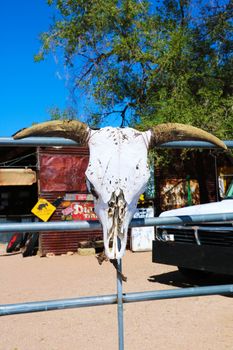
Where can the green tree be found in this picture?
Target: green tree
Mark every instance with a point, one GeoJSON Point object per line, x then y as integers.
{"type": "Point", "coordinates": [68, 113]}
{"type": "Point", "coordinates": [149, 61]}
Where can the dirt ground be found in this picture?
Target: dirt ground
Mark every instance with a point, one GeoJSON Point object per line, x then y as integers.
{"type": "Point", "coordinates": [183, 324]}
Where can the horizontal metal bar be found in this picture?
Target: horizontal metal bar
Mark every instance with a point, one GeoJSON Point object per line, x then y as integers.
{"type": "Point", "coordinates": [95, 225]}
{"type": "Point", "coordinates": [58, 141]}
{"type": "Point", "coordinates": [199, 228]}
{"type": "Point", "coordinates": [37, 306]}
{"type": "Point", "coordinates": [21, 308]}
{"type": "Point", "coordinates": [50, 226]}
{"type": "Point", "coordinates": [194, 144]}
{"type": "Point", "coordinates": [182, 220]}
{"type": "Point", "coordinates": [36, 141]}
{"type": "Point", "coordinates": [177, 293]}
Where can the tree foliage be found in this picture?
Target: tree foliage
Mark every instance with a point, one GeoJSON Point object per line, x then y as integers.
{"type": "Point", "coordinates": [149, 61]}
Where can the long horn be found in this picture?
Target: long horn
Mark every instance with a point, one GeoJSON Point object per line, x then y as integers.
{"type": "Point", "coordinates": [162, 133]}
{"type": "Point", "coordinates": [70, 129]}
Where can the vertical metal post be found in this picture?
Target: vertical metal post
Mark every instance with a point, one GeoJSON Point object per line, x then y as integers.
{"type": "Point", "coordinates": [120, 306]}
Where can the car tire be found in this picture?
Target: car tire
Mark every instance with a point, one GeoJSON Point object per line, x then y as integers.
{"type": "Point", "coordinates": [30, 244]}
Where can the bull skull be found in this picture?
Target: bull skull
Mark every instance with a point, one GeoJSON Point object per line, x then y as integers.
{"type": "Point", "coordinates": [117, 172]}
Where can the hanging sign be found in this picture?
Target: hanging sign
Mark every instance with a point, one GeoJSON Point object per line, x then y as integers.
{"type": "Point", "coordinates": [79, 211]}
{"type": "Point", "coordinates": [17, 177]}
{"type": "Point", "coordinates": [78, 197]}
{"type": "Point", "coordinates": [43, 209]}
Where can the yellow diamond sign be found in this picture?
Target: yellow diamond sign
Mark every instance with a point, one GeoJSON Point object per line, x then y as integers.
{"type": "Point", "coordinates": [43, 209]}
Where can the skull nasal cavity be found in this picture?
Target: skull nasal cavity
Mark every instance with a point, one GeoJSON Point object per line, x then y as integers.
{"type": "Point", "coordinates": [116, 202]}
{"type": "Point", "coordinates": [117, 198]}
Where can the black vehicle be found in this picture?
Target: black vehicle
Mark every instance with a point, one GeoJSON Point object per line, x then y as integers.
{"type": "Point", "coordinates": [197, 250]}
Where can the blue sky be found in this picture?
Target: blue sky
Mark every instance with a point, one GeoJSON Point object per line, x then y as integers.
{"type": "Point", "coordinates": [27, 90]}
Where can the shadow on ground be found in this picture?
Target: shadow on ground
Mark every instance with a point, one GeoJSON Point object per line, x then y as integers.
{"type": "Point", "coordinates": [176, 279]}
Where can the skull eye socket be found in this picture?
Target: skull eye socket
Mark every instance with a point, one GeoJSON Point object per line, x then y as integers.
{"type": "Point", "coordinates": [91, 189]}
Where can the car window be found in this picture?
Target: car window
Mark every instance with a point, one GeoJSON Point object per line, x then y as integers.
{"type": "Point", "coordinates": [229, 194]}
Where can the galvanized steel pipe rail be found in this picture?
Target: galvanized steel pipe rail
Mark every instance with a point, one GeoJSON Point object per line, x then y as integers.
{"type": "Point", "coordinates": [22, 308]}
{"type": "Point", "coordinates": [95, 225]}
{"type": "Point", "coordinates": [58, 141]}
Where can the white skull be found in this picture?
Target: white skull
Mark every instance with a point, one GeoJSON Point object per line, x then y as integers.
{"type": "Point", "coordinates": [117, 174]}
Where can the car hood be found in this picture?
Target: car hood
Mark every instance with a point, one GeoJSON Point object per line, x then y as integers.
{"type": "Point", "coordinates": [225, 206]}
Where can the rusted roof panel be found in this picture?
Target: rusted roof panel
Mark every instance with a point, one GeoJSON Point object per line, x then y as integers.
{"type": "Point", "coordinates": [63, 170]}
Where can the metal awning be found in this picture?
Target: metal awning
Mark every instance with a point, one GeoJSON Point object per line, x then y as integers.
{"type": "Point", "coordinates": [17, 177]}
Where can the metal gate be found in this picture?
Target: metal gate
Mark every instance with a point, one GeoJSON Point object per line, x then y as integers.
{"type": "Point", "coordinates": [119, 298]}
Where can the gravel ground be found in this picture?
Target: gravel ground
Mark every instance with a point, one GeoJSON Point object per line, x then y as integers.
{"type": "Point", "coordinates": [182, 324]}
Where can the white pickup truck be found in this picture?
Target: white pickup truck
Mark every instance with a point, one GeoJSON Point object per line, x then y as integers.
{"type": "Point", "coordinates": [200, 249]}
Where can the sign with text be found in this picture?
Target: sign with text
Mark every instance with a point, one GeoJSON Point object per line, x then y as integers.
{"type": "Point", "coordinates": [79, 211]}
